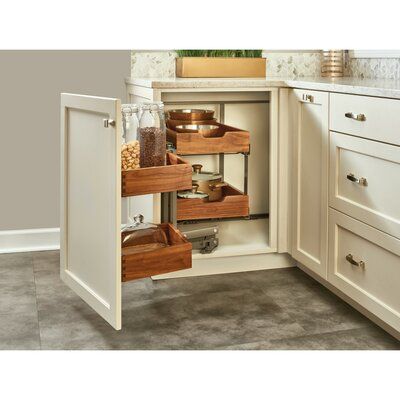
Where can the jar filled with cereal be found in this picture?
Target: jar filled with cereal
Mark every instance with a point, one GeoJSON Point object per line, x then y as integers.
{"type": "Point", "coordinates": [130, 151]}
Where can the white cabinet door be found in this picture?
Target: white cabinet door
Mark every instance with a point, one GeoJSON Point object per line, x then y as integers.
{"type": "Point", "coordinates": [91, 202]}
{"type": "Point", "coordinates": [310, 179]}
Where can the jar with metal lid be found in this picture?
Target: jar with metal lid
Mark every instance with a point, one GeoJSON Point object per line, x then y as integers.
{"type": "Point", "coordinates": [142, 236]}
{"type": "Point", "coordinates": [130, 150]}
{"type": "Point", "coordinates": [152, 136]}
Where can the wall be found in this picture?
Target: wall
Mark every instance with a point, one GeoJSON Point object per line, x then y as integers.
{"type": "Point", "coordinates": [31, 83]}
{"type": "Point", "coordinates": [292, 64]}
{"type": "Point", "coordinates": [161, 64]}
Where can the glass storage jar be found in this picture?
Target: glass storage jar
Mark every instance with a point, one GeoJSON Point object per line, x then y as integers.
{"type": "Point", "coordinates": [152, 136]}
{"type": "Point", "coordinates": [142, 236]}
{"type": "Point", "coordinates": [130, 150]}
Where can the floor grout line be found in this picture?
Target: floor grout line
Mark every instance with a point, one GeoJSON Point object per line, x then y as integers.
{"type": "Point", "coordinates": [36, 301]}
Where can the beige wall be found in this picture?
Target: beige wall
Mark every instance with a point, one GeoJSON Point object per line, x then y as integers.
{"type": "Point", "coordinates": [30, 87]}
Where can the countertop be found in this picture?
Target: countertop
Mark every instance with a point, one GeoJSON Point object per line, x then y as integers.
{"type": "Point", "coordinates": [368, 87]}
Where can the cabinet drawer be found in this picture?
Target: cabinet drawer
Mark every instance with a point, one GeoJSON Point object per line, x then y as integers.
{"type": "Point", "coordinates": [378, 119]}
{"type": "Point", "coordinates": [364, 263]}
{"type": "Point", "coordinates": [365, 181]}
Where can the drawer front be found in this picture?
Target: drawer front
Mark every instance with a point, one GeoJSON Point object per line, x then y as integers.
{"type": "Point", "coordinates": [364, 263]}
{"type": "Point", "coordinates": [365, 181]}
{"type": "Point", "coordinates": [364, 116]}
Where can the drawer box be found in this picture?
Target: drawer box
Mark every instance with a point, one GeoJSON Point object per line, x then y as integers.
{"type": "Point", "coordinates": [226, 140]}
{"type": "Point", "coordinates": [233, 204]}
{"type": "Point", "coordinates": [177, 256]}
{"type": "Point", "coordinates": [176, 175]}
{"type": "Point", "coordinates": [375, 284]}
{"type": "Point", "coordinates": [365, 181]}
{"type": "Point", "coordinates": [379, 119]}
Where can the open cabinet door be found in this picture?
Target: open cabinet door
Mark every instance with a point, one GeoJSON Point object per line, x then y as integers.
{"type": "Point", "coordinates": [91, 202]}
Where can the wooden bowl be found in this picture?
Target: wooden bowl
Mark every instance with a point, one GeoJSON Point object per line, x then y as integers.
{"type": "Point", "coordinates": [172, 123]}
{"type": "Point", "coordinates": [192, 128]}
{"type": "Point", "coordinates": [191, 114]}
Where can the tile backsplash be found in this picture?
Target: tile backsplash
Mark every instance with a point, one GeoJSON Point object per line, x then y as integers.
{"type": "Point", "coordinates": [161, 64]}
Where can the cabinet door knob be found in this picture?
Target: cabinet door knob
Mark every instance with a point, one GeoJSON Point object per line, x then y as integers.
{"type": "Point", "coordinates": [360, 181]}
{"type": "Point", "coordinates": [108, 122]}
{"type": "Point", "coordinates": [308, 97]}
{"type": "Point", "coordinates": [352, 261]}
{"type": "Point", "coordinates": [357, 117]}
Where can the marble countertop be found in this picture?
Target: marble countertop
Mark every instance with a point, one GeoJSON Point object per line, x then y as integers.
{"type": "Point", "coordinates": [368, 87]}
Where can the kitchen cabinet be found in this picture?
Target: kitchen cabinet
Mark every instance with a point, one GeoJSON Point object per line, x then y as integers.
{"type": "Point", "coordinates": [303, 145]}
{"type": "Point", "coordinates": [310, 179]}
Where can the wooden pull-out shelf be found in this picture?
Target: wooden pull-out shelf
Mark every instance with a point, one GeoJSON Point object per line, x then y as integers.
{"type": "Point", "coordinates": [226, 140]}
{"type": "Point", "coordinates": [175, 257]}
{"type": "Point", "coordinates": [176, 175]}
{"type": "Point", "coordinates": [233, 204]}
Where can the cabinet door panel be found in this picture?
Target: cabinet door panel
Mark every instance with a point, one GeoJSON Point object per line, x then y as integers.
{"type": "Point", "coordinates": [91, 202]}
{"type": "Point", "coordinates": [310, 178]}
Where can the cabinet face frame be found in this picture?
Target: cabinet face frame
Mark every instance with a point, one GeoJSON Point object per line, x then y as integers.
{"type": "Point", "coordinates": [300, 100]}
{"type": "Point", "coordinates": [90, 246]}
{"type": "Point", "coordinates": [236, 95]}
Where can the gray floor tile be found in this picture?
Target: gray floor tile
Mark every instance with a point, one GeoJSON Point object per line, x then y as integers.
{"type": "Point", "coordinates": [275, 309]}
{"type": "Point", "coordinates": [315, 308]}
{"type": "Point", "coordinates": [19, 331]}
{"type": "Point", "coordinates": [369, 338]}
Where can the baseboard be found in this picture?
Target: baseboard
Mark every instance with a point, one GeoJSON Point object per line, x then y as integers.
{"type": "Point", "coordinates": [24, 240]}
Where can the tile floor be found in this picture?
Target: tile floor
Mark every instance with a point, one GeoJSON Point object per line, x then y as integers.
{"type": "Point", "coordinates": [276, 309]}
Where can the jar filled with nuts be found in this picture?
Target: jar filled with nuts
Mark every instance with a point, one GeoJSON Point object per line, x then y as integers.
{"type": "Point", "coordinates": [130, 151]}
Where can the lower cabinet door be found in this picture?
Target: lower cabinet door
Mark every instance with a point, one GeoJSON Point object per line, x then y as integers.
{"type": "Point", "coordinates": [364, 263]}
{"type": "Point", "coordinates": [309, 111]}
{"type": "Point", "coordinates": [90, 262]}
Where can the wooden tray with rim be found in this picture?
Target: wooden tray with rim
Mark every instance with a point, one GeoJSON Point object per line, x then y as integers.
{"type": "Point", "coordinates": [175, 257]}
{"type": "Point", "coordinates": [233, 204]}
{"type": "Point", "coordinates": [226, 140]}
{"type": "Point", "coordinates": [176, 175]}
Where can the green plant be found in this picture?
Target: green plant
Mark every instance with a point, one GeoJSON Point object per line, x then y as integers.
{"type": "Point", "coordinates": [219, 53]}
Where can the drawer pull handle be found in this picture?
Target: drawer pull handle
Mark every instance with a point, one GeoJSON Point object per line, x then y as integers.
{"type": "Point", "coordinates": [308, 97]}
{"type": "Point", "coordinates": [357, 117]}
{"type": "Point", "coordinates": [360, 181]}
{"type": "Point", "coordinates": [352, 261]}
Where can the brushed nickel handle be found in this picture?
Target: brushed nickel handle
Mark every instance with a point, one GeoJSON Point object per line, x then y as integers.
{"type": "Point", "coordinates": [308, 97]}
{"type": "Point", "coordinates": [108, 122]}
{"type": "Point", "coordinates": [357, 117]}
{"type": "Point", "coordinates": [352, 261]}
{"type": "Point", "coordinates": [360, 181]}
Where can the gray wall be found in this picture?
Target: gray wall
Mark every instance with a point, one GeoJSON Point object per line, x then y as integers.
{"type": "Point", "coordinates": [30, 87]}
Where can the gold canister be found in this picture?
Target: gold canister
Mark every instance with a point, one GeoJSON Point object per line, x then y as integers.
{"type": "Point", "coordinates": [332, 63]}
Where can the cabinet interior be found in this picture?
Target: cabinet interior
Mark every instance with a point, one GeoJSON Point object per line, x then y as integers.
{"type": "Point", "coordinates": [248, 111]}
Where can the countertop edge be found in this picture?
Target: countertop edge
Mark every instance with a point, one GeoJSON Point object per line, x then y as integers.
{"type": "Point", "coordinates": [368, 87]}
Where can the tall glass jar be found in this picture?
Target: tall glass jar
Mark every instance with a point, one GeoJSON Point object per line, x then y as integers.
{"type": "Point", "coordinates": [130, 122]}
{"type": "Point", "coordinates": [130, 152]}
{"type": "Point", "coordinates": [152, 138]}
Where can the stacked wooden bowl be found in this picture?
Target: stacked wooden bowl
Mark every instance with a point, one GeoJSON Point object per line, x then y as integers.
{"type": "Point", "coordinates": [190, 117]}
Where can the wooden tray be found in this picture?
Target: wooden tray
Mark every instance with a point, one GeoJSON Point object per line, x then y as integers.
{"type": "Point", "coordinates": [233, 204]}
{"type": "Point", "coordinates": [168, 259]}
{"type": "Point", "coordinates": [226, 140]}
{"type": "Point", "coordinates": [177, 175]}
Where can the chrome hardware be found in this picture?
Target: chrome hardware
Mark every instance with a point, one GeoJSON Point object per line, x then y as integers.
{"type": "Point", "coordinates": [308, 97]}
{"type": "Point", "coordinates": [360, 181]}
{"type": "Point", "coordinates": [108, 122]}
{"type": "Point", "coordinates": [352, 261]}
{"type": "Point", "coordinates": [357, 117]}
